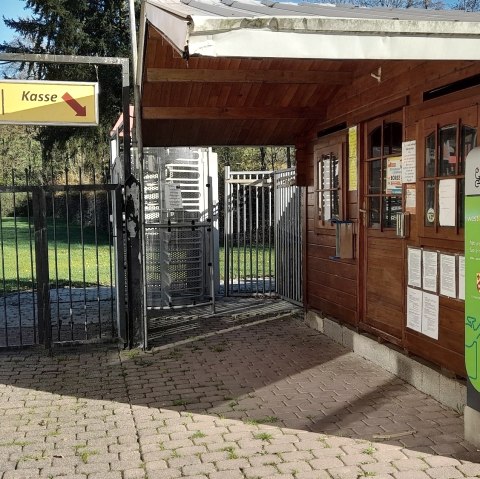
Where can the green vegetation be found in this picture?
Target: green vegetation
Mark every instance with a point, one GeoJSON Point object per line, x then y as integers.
{"type": "Point", "coordinates": [231, 452]}
{"type": "Point", "coordinates": [26, 257]}
{"type": "Point", "coordinates": [246, 260]}
{"type": "Point", "coordinates": [369, 450]}
{"type": "Point", "coordinates": [263, 436]}
{"type": "Point", "coordinates": [262, 420]}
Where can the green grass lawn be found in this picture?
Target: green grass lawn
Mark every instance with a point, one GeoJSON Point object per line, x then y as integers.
{"type": "Point", "coordinates": [26, 255]}
{"type": "Point", "coordinates": [245, 262]}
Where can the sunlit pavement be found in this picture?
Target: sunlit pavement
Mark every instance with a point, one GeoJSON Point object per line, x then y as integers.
{"type": "Point", "coordinates": [268, 400]}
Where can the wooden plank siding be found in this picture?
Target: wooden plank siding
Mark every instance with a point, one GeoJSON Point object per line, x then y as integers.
{"type": "Point", "coordinates": [338, 288]}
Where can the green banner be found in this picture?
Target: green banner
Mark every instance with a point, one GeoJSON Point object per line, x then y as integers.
{"type": "Point", "coordinates": [472, 289]}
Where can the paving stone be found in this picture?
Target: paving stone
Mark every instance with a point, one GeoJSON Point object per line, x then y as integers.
{"type": "Point", "coordinates": [317, 405]}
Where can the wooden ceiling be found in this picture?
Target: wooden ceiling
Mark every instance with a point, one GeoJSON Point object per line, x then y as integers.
{"type": "Point", "coordinates": [221, 101]}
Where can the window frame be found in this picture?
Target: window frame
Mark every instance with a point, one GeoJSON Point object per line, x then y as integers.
{"type": "Point", "coordinates": [337, 147]}
{"type": "Point", "coordinates": [433, 125]}
{"type": "Point", "coordinates": [370, 127]}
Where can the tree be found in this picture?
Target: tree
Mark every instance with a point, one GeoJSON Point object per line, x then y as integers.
{"type": "Point", "coordinates": [75, 27]}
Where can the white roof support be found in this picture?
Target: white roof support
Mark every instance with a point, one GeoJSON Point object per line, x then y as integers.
{"type": "Point", "coordinates": [338, 33]}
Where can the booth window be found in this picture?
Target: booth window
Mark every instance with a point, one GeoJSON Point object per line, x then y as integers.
{"type": "Point", "coordinates": [446, 148]}
{"type": "Point", "coordinates": [384, 189]}
{"type": "Point", "coordinates": [328, 204]}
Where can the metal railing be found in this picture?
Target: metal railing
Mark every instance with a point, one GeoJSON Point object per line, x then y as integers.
{"type": "Point", "coordinates": [262, 234]}
{"type": "Point", "coordinates": [249, 253]}
{"type": "Point", "coordinates": [57, 277]}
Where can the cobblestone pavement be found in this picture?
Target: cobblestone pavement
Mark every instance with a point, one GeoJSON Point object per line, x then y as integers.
{"type": "Point", "coordinates": [269, 400]}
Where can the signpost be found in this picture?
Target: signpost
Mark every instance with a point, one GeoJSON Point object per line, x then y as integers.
{"type": "Point", "coordinates": [48, 103]}
{"type": "Point", "coordinates": [472, 295]}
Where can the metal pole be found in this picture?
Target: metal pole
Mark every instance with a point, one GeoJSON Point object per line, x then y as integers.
{"type": "Point", "coordinates": [139, 144]}
{"type": "Point", "coordinates": [212, 246]}
{"type": "Point", "coordinates": [226, 232]}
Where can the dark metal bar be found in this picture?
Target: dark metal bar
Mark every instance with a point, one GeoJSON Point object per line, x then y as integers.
{"type": "Point", "coordinates": [69, 254]}
{"type": "Point", "coordinates": [277, 239]}
{"type": "Point", "coordinates": [239, 214]}
{"type": "Point", "coordinates": [16, 262]}
{"type": "Point", "coordinates": [244, 205]}
{"type": "Point", "coordinates": [30, 241]}
{"type": "Point", "coordinates": [41, 260]}
{"type": "Point", "coordinates": [110, 218]}
{"type": "Point", "coordinates": [122, 326]}
{"type": "Point", "coordinates": [263, 239]}
{"type": "Point", "coordinates": [226, 221]}
{"type": "Point", "coordinates": [270, 234]}
{"type": "Point", "coordinates": [134, 262]}
{"type": "Point", "coordinates": [55, 246]}
{"type": "Point", "coordinates": [3, 275]}
{"type": "Point", "coordinates": [257, 188]}
{"type": "Point", "coordinates": [62, 188]}
{"type": "Point", "coordinates": [96, 257]}
{"type": "Point", "coordinates": [82, 241]}
{"type": "Point", "coordinates": [250, 232]}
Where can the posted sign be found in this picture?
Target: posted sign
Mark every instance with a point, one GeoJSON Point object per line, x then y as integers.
{"type": "Point", "coordinates": [48, 103]}
{"type": "Point", "coordinates": [472, 267]}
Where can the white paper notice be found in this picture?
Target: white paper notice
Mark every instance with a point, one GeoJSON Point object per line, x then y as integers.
{"type": "Point", "coordinates": [414, 309]}
{"type": "Point", "coordinates": [447, 201]}
{"type": "Point", "coordinates": [415, 267]}
{"type": "Point", "coordinates": [430, 268]}
{"type": "Point", "coordinates": [411, 199]}
{"type": "Point", "coordinates": [173, 197]}
{"type": "Point", "coordinates": [394, 176]}
{"type": "Point", "coordinates": [461, 277]}
{"type": "Point", "coordinates": [448, 277]}
{"type": "Point", "coordinates": [430, 315]}
{"type": "Point", "coordinates": [409, 161]}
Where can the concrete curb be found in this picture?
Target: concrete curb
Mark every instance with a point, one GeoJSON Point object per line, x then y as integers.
{"type": "Point", "coordinates": [449, 392]}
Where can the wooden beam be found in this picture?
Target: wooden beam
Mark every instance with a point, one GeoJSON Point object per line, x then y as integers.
{"type": "Point", "coordinates": [248, 76]}
{"type": "Point", "coordinates": [229, 113]}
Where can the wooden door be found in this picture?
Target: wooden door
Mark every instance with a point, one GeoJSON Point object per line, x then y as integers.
{"type": "Point", "coordinates": [382, 252]}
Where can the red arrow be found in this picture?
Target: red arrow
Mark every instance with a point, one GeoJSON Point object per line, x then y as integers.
{"type": "Point", "coordinates": [74, 105]}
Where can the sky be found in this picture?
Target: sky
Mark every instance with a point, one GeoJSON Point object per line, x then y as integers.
{"type": "Point", "coordinates": [10, 9]}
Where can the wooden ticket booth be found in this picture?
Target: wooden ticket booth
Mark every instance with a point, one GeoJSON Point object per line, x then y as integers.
{"type": "Point", "coordinates": [382, 107]}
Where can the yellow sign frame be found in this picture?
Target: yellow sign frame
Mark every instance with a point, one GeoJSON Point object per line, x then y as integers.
{"type": "Point", "coordinates": [48, 103]}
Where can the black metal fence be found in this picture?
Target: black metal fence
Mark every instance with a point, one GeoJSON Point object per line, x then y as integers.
{"type": "Point", "coordinates": [61, 276]}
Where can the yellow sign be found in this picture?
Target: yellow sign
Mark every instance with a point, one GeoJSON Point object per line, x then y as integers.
{"type": "Point", "coordinates": [48, 103]}
{"type": "Point", "coordinates": [352, 158]}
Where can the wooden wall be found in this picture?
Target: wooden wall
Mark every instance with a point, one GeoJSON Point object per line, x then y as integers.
{"type": "Point", "coordinates": [337, 287]}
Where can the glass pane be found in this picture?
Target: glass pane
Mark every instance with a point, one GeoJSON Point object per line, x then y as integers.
{"type": "Point", "coordinates": [391, 205]}
{"type": "Point", "coordinates": [323, 172]}
{"type": "Point", "coordinates": [392, 139]}
{"type": "Point", "coordinates": [375, 143]}
{"type": "Point", "coordinates": [430, 155]}
{"type": "Point", "coordinates": [447, 160]}
{"type": "Point", "coordinates": [461, 202]}
{"type": "Point", "coordinates": [374, 212]}
{"type": "Point", "coordinates": [429, 203]}
{"type": "Point", "coordinates": [467, 142]}
{"type": "Point", "coordinates": [335, 204]}
{"type": "Point", "coordinates": [334, 170]}
{"type": "Point", "coordinates": [326, 206]}
{"type": "Point", "coordinates": [320, 206]}
{"type": "Point", "coordinates": [374, 176]}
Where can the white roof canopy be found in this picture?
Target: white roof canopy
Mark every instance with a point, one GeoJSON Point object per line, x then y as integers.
{"type": "Point", "coordinates": [251, 29]}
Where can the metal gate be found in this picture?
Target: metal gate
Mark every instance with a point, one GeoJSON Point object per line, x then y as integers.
{"type": "Point", "coordinates": [180, 227]}
{"type": "Point", "coordinates": [61, 278]}
{"type": "Point", "coordinates": [288, 236]}
{"type": "Point", "coordinates": [262, 234]}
